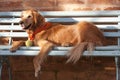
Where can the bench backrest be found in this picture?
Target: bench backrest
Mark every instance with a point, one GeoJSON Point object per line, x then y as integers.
{"type": "Point", "coordinates": [106, 20]}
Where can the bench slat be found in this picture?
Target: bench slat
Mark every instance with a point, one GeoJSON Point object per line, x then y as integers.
{"type": "Point", "coordinates": [68, 13]}
{"type": "Point", "coordinates": [81, 13]}
{"type": "Point", "coordinates": [57, 53]}
{"type": "Point", "coordinates": [60, 51]}
{"type": "Point", "coordinates": [18, 27]}
{"type": "Point", "coordinates": [13, 34]}
{"type": "Point", "coordinates": [102, 20]}
{"type": "Point", "coordinates": [104, 48]}
{"type": "Point", "coordinates": [10, 27]}
{"type": "Point", "coordinates": [24, 34]}
{"type": "Point", "coordinates": [9, 20]}
{"type": "Point", "coordinates": [73, 19]}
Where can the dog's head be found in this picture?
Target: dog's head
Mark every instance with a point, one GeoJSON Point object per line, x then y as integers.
{"type": "Point", "coordinates": [30, 19]}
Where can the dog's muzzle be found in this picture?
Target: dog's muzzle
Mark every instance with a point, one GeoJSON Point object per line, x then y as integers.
{"type": "Point", "coordinates": [24, 26]}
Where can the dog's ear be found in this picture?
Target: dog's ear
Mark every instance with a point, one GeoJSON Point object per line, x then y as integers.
{"type": "Point", "coordinates": [37, 17]}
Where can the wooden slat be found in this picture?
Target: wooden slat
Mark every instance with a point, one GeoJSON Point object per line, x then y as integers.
{"type": "Point", "coordinates": [81, 13]}
{"type": "Point", "coordinates": [13, 34]}
{"type": "Point", "coordinates": [68, 13]}
{"type": "Point", "coordinates": [59, 48]}
{"type": "Point", "coordinates": [10, 27]}
{"type": "Point", "coordinates": [72, 19]}
{"type": "Point", "coordinates": [9, 20]}
{"type": "Point", "coordinates": [10, 13]}
{"type": "Point", "coordinates": [60, 51]}
{"type": "Point", "coordinates": [57, 53]}
{"type": "Point", "coordinates": [112, 34]}
{"type": "Point", "coordinates": [108, 27]}
{"type": "Point", "coordinates": [103, 19]}
{"type": "Point", "coordinates": [18, 27]}
{"type": "Point", "coordinates": [24, 34]}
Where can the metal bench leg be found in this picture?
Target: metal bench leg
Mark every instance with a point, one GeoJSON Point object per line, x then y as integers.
{"type": "Point", "coordinates": [117, 68]}
{"type": "Point", "coordinates": [1, 60]}
{"type": "Point", "coordinates": [9, 70]}
{"type": "Point", "coordinates": [4, 59]}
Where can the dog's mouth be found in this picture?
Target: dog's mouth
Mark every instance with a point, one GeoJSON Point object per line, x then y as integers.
{"type": "Point", "coordinates": [25, 27]}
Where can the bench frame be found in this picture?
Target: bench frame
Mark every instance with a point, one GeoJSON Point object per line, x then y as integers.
{"type": "Point", "coordinates": [109, 20]}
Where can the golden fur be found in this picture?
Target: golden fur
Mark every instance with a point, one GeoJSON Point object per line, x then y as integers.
{"type": "Point", "coordinates": [4, 40]}
{"type": "Point", "coordinates": [83, 35]}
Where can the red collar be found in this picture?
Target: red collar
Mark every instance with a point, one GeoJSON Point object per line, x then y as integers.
{"type": "Point", "coordinates": [39, 29]}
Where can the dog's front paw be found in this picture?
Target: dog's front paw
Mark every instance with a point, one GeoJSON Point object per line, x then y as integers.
{"type": "Point", "coordinates": [13, 49]}
{"type": "Point", "coordinates": [37, 65]}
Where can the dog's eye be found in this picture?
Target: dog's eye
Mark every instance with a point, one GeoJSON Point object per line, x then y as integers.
{"type": "Point", "coordinates": [29, 16]}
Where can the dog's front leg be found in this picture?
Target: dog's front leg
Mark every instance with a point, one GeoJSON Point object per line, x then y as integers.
{"type": "Point", "coordinates": [16, 45]}
{"type": "Point", "coordinates": [45, 46]}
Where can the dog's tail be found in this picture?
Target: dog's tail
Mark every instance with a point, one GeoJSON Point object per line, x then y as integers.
{"type": "Point", "coordinates": [75, 53]}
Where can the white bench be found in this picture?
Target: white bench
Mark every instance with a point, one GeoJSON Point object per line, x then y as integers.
{"type": "Point", "coordinates": [106, 20]}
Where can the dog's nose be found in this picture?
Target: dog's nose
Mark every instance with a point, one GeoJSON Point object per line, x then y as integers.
{"type": "Point", "coordinates": [21, 22]}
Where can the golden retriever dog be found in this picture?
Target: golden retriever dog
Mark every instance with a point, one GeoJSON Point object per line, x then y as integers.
{"type": "Point", "coordinates": [4, 41]}
{"type": "Point", "coordinates": [83, 36]}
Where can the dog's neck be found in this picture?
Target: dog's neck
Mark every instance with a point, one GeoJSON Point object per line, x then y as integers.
{"type": "Point", "coordinates": [32, 33]}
